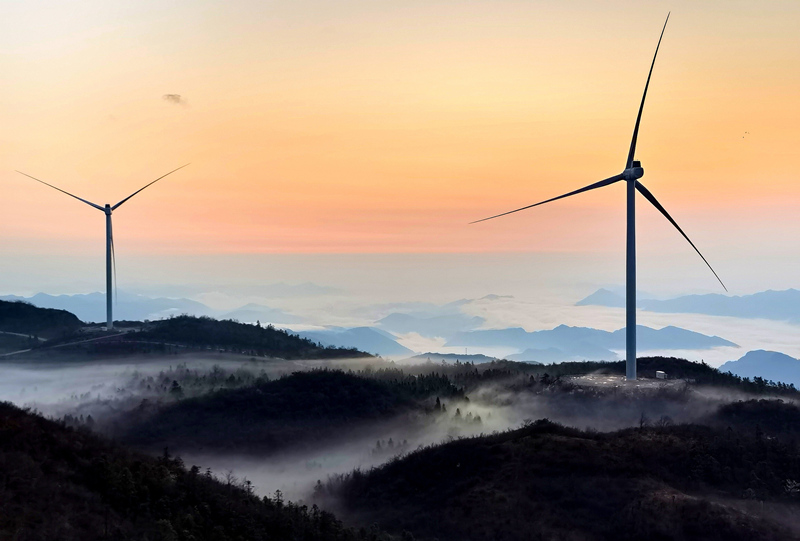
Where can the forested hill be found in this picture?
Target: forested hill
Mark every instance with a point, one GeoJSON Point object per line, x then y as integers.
{"type": "Point", "coordinates": [24, 318]}
{"type": "Point", "coordinates": [299, 410]}
{"type": "Point", "coordinates": [240, 337]}
{"type": "Point", "coordinates": [545, 481]}
{"type": "Point", "coordinates": [65, 484]}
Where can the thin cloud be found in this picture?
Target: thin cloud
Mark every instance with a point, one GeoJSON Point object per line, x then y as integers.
{"type": "Point", "coordinates": [175, 99]}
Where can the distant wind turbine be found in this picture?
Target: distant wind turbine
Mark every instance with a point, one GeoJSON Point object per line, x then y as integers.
{"type": "Point", "coordinates": [633, 171]}
{"type": "Point", "coordinates": [110, 258]}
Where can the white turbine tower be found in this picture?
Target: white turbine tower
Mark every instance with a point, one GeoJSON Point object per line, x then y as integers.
{"type": "Point", "coordinates": [110, 259]}
{"type": "Point", "coordinates": [633, 171]}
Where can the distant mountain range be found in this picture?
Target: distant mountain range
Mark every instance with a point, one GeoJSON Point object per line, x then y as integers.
{"type": "Point", "coordinates": [450, 358]}
{"type": "Point", "coordinates": [250, 313]}
{"type": "Point", "coordinates": [769, 365]}
{"type": "Point", "coordinates": [777, 305]}
{"type": "Point", "coordinates": [570, 343]}
{"type": "Point", "coordinates": [444, 325]}
{"type": "Point", "coordinates": [580, 352]}
{"type": "Point", "coordinates": [91, 307]}
{"type": "Point", "coordinates": [422, 310]}
{"type": "Point", "coordinates": [367, 339]}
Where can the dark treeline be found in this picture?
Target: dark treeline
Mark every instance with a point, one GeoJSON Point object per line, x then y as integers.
{"type": "Point", "coordinates": [182, 333]}
{"type": "Point", "coordinates": [470, 375]}
{"type": "Point", "coordinates": [765, 418]}
{"type": "Point", "coordinates": [239, 337]}
{"type": "Point", "coordinates": [545, 481]}
{"type": "Point", "coordinates": [243, 409]}
{"type": "Point", "coordinates": [300, 409]}
{"type": "Point", "coordinates": [66, 484]}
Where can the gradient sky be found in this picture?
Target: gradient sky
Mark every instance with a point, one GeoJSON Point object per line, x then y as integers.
{"type": "Point", "coordinates": [363, 127]}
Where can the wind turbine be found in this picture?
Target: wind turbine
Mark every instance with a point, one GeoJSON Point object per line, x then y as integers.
{"type": "Point", "coordinates": [632, 173]}
{"type": "Point", "coordinates": [110, 258]}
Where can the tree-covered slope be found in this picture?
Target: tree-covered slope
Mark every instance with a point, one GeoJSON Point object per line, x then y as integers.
{"type": "Point", "coordinates": [270, 416]}
{"type": "Point", "coordinates": [545, 481]}
{"type": "Point", "coordinates": [234, 336]}
{"type": "Point", "coordinates": [69, 485]}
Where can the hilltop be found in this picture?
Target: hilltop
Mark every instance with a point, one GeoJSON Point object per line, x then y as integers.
{"type": "Point", "coordinates": [241, 337]}
{"type": "Point", "coordinates": [185, 333]}
{"type": "Point", "coordinates": [24, 318]}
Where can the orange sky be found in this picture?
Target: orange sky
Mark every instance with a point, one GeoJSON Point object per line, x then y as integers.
{"type": "Point", "coordinates": [362, 126]}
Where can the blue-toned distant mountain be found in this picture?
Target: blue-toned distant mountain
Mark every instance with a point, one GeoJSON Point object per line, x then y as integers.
{"type": "Point", "coordinates": [422, 310]}
{"type": "Point", "coordinates": [568, 343]}
{"type": "Point", "coordinates": [91, 307]}
{"type": "Point", "coordinates": [250, 313]}
{"type": "Point", "coordinates": [603, 297]}
{"type": "Point", "coordinates": [444, 326]}
{"type": "Point", "coordinates": [777, 305]}
{"type": "Point", "coordinates": [769, 365]}
{"type": "Point", "coordinates": [367, 339]}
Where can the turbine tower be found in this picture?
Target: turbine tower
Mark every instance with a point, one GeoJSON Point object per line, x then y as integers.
{"type": "Point", "coordinates": [631, 175]}
{"type": "Point", "coordinates": [110, 258]}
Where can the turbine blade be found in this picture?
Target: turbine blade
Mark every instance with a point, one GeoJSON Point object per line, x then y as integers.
{"type": "Point", "coordinates": [650, 197]}
{"type": "Point", "coordinates": [62, 191]}
{"type": "Point", "coordinates": [146, 185]}
{"type": "Point", "coordinates": [647, 84]}
{"type": "Point", "coordinates": [606, 182]}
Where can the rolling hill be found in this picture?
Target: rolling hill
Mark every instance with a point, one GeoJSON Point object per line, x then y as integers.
{"type": "Point", "coordinates": [298, 410]}
{"type": "Point", "coordinates": [545, 481]}
{"type": "Point", "coordinates": [235, 336]}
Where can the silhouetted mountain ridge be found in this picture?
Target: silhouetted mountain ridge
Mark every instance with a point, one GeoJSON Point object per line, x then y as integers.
{"type": "Point", "coordinates": [569, 343]}
{"type": "Point", "coordinates": [375, 341]}
{"type": "Point", "coordinates": [770, 365]}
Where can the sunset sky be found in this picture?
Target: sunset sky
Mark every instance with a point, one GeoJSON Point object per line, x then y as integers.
{"type": "Point", "coordinates": [363, 127]}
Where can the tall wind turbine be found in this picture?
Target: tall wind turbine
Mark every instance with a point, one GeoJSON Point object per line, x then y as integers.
{"type": "Point", "coordinates": [633, 171]}
{"type": "Point", "coordinates": [110, 259]}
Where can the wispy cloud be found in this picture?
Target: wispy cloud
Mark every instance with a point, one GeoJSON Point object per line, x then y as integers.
{"type": "Point", "coordinates": [175, 99]}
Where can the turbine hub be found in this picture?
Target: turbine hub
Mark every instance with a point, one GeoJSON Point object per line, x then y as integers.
{"type": "Point", "coordinates": [634, 172]}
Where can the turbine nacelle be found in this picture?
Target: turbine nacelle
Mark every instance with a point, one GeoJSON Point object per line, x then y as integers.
{"type": "Point", "coordinates": [632, 172]}
{"type": "Point", "coordinates": [111, 265]}
{"type": "Point", "coordinates": [636, 171]}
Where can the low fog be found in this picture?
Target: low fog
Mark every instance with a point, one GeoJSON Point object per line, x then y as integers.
{"type": "Point", "coordinates": [103, 395]}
